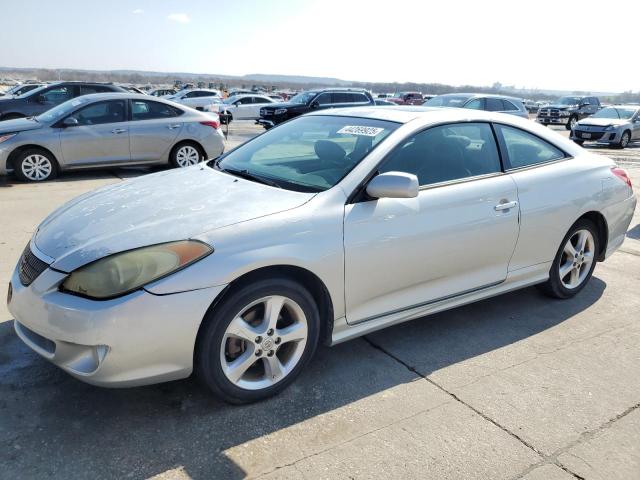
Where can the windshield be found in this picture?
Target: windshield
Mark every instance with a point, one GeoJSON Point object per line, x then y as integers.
{"type": "Point", "coordinates": [610, 112]}
{"type": "Point", "coordinates": [56, 113]}
{"type": "Point", "coordinates": [302, 98]}
{"type": "Point", "coordinates": [308, 154]}
{"type": "Point", "coordinates": [569, 100]}
{"type": "Point", "coordinates": [447, 101]}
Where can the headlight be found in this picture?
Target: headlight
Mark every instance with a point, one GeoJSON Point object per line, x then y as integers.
{"type": "Point", "coordinates": [124, 272]}
{"type": "Point", "coordinates": [280, 111]}
{"type": "Point", "coordinates": [608, 128]}
{"type": "Point", "coordinates": [5, 137]}
{"type": "Point", "coordinates": [564, 113]}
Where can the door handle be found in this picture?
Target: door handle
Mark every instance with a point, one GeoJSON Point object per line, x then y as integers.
{"type": "Point", "coordinates": [505, 206]}
{"type": "Point", "coordinates": [118, 130]}
{"type": "Point", "coordinates": [172, 127]}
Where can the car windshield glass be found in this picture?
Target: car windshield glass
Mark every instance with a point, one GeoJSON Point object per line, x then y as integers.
{"type": "Point", "coordinates": [447, 101]}
{"type": "Point", "coordinates": [56, 113]}
{"type": "Point", "coordinates": [610, 112]}
{"type": "Point", "coordinates": [302, 98]}
{"type": "Point", "coordinates": [569, 101]}
{"type": "Point", "coordinates": [308, 154]}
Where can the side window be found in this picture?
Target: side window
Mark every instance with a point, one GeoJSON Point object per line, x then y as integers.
{"type": "Point", "coordinates": [191, 95]}
{"type": "Point", "coordinates": [88, 89]}
{"type": "Point", "coordinates": [359, 98]}
{"type": "Point", "coordinates": [260, 100]}
{"type": "Point", "coordinates": [476, 104]}
{"type": "Point", "coordinates": [494, 104]}
{"type": "Point", "coordinates": [324, 99]}
{"type": "Point", "coordinates": [447, 152]}
{"type": "Point", "coordinates": [57, 94]}
{"type": "Point", "coordinates": [101, 112]}
{"type": "Point", "coordinates": [508, 106]}
{"type": "Point", "coordinates": [148, 110]}
{"type": "Point", "coordinates": [524, 149]}
{"type": "Point", "coordinates": [244, 100]}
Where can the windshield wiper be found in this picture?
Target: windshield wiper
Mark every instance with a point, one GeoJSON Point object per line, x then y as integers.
{"type": "Point", "coordinates": [247, 175]}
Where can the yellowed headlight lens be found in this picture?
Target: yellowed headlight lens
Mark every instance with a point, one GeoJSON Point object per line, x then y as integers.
{"type": "Point", "coordinates": [124, 272]}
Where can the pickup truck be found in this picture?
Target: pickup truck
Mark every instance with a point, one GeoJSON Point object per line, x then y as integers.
{"type": "Point", "coordinates": [568, 111]}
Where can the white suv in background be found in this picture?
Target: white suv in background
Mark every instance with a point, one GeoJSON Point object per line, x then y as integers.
{"type": "Point", "coordinates": [196, 98]}
{"type": "Point", "coordinates": [240, 107]}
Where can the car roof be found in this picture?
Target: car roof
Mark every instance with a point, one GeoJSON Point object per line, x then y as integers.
{"type": "Point", "coordinates": [334, 89]}
{"type": "Point", "coordinates": [483, 95]}
{"type": "Point", "coordinates": [123, 95]}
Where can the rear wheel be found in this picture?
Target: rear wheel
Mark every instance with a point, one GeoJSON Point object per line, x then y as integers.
{"type": "Point", "coordinates": [258, 340]}
{"type": "Point", "coordinates": [575, 261]}
{"type": "Point", "coordinates": [186, 154]}
{"type": "Point", "coordinates": [35, 165]}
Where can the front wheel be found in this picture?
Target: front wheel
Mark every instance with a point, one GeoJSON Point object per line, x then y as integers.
{"type": "Point", "coordinates": [35, 165]}
{"type": "Point", "coordinates": [258, 340]}
{"type": "Point", "coordinates": [575, 261]}
{"type": "Point", "coordinates": [571, 124]}
{"type": "Point", "coordinates": [624, 140]}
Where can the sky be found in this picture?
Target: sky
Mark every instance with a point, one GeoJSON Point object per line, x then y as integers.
{"type": "Point", "coordinates": [544, 44]}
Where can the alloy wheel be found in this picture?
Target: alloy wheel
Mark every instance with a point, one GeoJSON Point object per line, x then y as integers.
{"type": "Point", "coordinates": [573, 122]}
{"type": "Point", "coordinates": [36, 167]}
{"type": "Point", "coordinates": [577, 257]}
{"type": "Point", "coordinates": [187, 156]}
{"type": "Point", "coordinates": [264, 342]}
{"type": "Point", "coordinates": [624, 141]}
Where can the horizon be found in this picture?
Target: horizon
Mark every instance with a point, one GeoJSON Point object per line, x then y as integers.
{"type": "Point", "coordinates": [409, 43]}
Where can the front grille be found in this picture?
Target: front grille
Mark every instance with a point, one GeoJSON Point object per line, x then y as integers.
{"type": "Point", "coordinates": [549, 112]}
{"type": "Point", "coordinates": [266, 113]}
{"type": "Point", "coordinates": [30, 266]}
{"type": "Point", "coordinates": [592, 135]}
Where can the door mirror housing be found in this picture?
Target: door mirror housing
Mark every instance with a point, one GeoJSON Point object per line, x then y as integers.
{"type": "Point", "coordinates": [393, 185]}
{"type": "Point", "coordinates": [70, 122]}
{"type": "Point", "coordinates": [584, 104]}
{"type": "Point", "coordinates": [315, 104]}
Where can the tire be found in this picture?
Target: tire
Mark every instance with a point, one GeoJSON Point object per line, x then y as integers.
{"type": "Point", "coordinates": [625, 138]}
{"type": "Point", "coordinates": [567, 286]}
{"type": "Point", "coordinates": [227, 337]}
{"type": "Point", "coordinates": [572, 122]}
{"type": "Point", "coordinates": [579, 142]}
{"type": "Point", "coordinates": [226, 119]}
{"type": "Point", "coordinates": [186, 154]}
{"type": "Point", "coordinates": [35, 165]}
{"type": "Point", "coordinates": [11, 116]}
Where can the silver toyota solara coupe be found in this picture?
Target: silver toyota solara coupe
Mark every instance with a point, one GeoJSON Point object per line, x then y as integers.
{"type": "Point", "coordinates": [328, 227]}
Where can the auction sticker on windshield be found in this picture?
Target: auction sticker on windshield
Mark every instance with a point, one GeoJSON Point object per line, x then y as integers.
{"type": "Point", "coordinates": [361, 130]}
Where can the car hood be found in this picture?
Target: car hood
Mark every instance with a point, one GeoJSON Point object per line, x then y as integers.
{"type": "Point", "coordinates": [561, 107]}
{"type": "Point", "coordinates": [273, 106]}
{"type": "Point", "coordinates": [18, 125]}
{"type": "Point", "coordinates": [602, 122]}
{"type": "Point", "coordinates": [163, 207]}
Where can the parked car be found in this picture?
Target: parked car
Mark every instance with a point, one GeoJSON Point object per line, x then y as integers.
{"type": "Point", "coordinates": [616, 126]}
{"type": "Point", "coordinates": [407, 98]}
{"type": "Point", "coordinates": [277, 98]}
{"type": "Point", "coordinates": [326, 228]}
{"type": "Point", "coordinates": [41, 99]}
{"type": "Point", "coordinates": [240, 107]}
{"type": "Point", "coordinates": [313, 100]}
{"type": "Point", "coordinates": [196, 98]}
{"type": "Point", "coordinates": [106, 130]}
{"type": "Point", "coordinates": [133, 89]}
{"type": "Point", "coordinates": [568, 111]}
{"type": "Point", "coordinates": [531, 106]}
{"type": "Point", "coordinates": [480, 101]}
{"type": "Point", "coordinates": [163, 92]}
{"type": "Point", "coordinates": [21, 89]}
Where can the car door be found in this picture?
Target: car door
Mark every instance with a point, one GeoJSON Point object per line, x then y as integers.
{"type": "Point", "coordinates": [635, 124]}
{"type": "Point", "coordinates": [101, 135]}
{"type": "Point", "coordinates": [547, 190]}
{"type": "Point", "coordinates": [243, 108]}
{"type": "Point", "coordinates": [258, 102]}
{"type": "Point", "coordinates": [153, 129]}
{"type": "Point", "coordinates": [456, 236]}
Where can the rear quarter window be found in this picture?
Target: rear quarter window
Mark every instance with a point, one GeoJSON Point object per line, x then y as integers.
{"type": "Point", "coordinates": [524, 149]}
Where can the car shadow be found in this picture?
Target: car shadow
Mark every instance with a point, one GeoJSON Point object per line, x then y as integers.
{"type": "Point", "coordinates": [634, 232]}
{"type": "Point", "coordinates": [53, 425]}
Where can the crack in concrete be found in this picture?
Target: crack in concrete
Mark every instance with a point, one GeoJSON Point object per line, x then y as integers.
{"type": "Point", "coordinates": [545, 459]}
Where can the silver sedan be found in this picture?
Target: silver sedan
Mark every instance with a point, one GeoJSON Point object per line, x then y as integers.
{"type": "Point", "coordinates": [328, 227]}
{"type": "Point", "coordinates": [107, 130]}
{"type": "Point", "coordinates": [617, 126]}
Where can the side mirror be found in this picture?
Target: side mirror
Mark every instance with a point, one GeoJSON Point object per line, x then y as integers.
{"type": "Point", "coordinates": [70, 122]}
{"type": "Point", "coordinates": [393, 185]}
{"type": "Point", "coordinates": [584, 104]}
{"type": "Point", "coordinates": [315, 104]}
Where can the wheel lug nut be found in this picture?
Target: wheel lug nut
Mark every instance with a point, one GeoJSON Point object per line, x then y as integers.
{"type": "Point", "coordinates": [270, 332]}
{"type": "Point", "coordinates": [278, 340]}
{"type": "Point", "coordinates": [270, 354]}
{"type": "Point", "coordinates": [258, 352]}
{"type": "Point", "coordinates": [258, 339]}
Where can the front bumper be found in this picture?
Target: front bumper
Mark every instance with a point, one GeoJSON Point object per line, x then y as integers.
{"type": "Point", "coordinates": [137, 339]}
{"type": "Point", "coordinates": [265, 123]}
{"type": "Point", "coordinates": [5, 150]}
{"type": "Point", "coordinates": [601, 136]}
{"type": "Point", "coordinates": [553, 120]}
